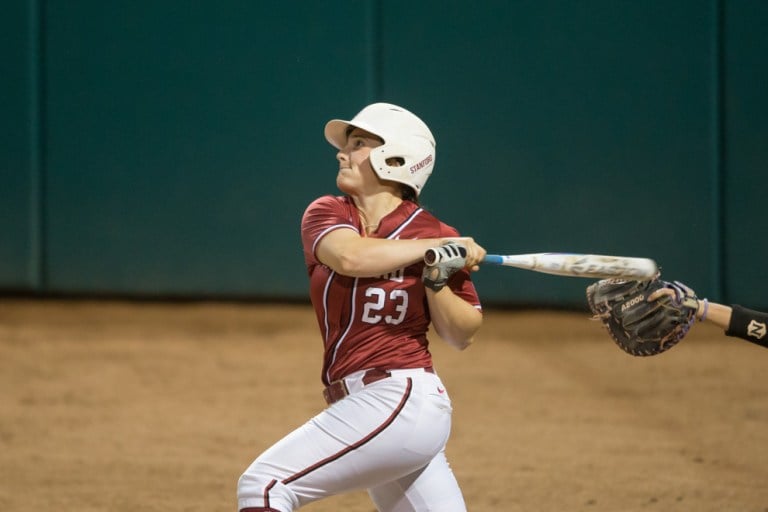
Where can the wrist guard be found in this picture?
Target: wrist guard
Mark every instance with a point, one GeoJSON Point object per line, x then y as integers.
{"type": "Point", "coordinates": [748, 325]}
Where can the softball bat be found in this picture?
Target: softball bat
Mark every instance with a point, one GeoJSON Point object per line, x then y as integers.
{"type": "Point", "coordinates": [579, 265]}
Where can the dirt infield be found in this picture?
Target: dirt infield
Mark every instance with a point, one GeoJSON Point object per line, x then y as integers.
{"type": "Point", "coordinates": [115, 406]}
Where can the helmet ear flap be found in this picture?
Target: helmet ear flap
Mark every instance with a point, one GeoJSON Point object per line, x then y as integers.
{"type": "Point", "coordinates": [417, 157]}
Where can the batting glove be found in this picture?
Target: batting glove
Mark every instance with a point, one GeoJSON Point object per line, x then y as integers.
{"type": "Point", "coordinates": [441, 263]}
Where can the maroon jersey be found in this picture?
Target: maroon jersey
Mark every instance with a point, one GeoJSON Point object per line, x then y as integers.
{"type": "Point", "coordinates": [373, 322]}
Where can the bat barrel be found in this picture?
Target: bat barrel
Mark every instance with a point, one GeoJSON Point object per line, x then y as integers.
{"type": "Point", "coordinates": [579, 265]}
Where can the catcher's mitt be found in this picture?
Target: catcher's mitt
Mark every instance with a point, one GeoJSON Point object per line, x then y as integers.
{"type": "Point", "coordinates": [639, 327]}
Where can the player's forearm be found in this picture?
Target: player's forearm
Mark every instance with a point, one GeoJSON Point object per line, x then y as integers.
{"type": "Point", "coordinates": [371, 257]}
{"type": "Point", "coordinates": [737, 321]}
{"type": "Point", "coordinates": [713, 312]}
{"type": "Point", "coordinates": [455, 320]}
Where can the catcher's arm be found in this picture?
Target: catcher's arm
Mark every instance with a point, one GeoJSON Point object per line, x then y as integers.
{"type": "Point", "coordinates": [737, 321]}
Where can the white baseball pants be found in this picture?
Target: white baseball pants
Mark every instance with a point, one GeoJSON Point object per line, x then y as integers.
{"type": "Point", "coordinates": [387, 437]}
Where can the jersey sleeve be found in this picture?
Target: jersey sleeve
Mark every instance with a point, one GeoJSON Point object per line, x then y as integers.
{"type": "Point", "coordinates": [322, 216]}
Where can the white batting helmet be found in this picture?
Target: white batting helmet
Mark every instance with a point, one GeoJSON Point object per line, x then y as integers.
{"type": "Point", "coordinates": [405, 136]}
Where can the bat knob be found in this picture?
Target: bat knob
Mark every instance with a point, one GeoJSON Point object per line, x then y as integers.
{"type": "Point", "coordinates": [431, 256]}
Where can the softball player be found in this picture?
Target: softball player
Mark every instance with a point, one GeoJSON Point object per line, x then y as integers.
{"type": "Point", "coordinates": [389, 414]}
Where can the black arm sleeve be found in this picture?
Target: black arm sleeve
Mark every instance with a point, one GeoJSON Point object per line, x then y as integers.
{"type": "Point", "coordinates": [749, 325]}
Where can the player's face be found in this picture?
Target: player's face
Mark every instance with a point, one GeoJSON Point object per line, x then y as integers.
{"type": "Point", "coordinates": [356, 176]}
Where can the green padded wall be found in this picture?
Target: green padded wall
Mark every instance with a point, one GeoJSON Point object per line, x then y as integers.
{"type": "Point", "coordinates": [185, 141]}
{"type": "Point", "coordinates": [746, 152]}
{"type": "Point", "coordinates": [566, 127]}
{"type": "Point", "coordinates": [20, 241]}
{"type": "Point", "coordinates": [156, 149]}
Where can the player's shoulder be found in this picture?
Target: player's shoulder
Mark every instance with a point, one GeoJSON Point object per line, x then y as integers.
{"type": "Point", "coordinates": [328, 200]}
{"type": "Point", "coordinates": [327, 203]}
{"type": "Point", "coordinates": [427, 217]}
